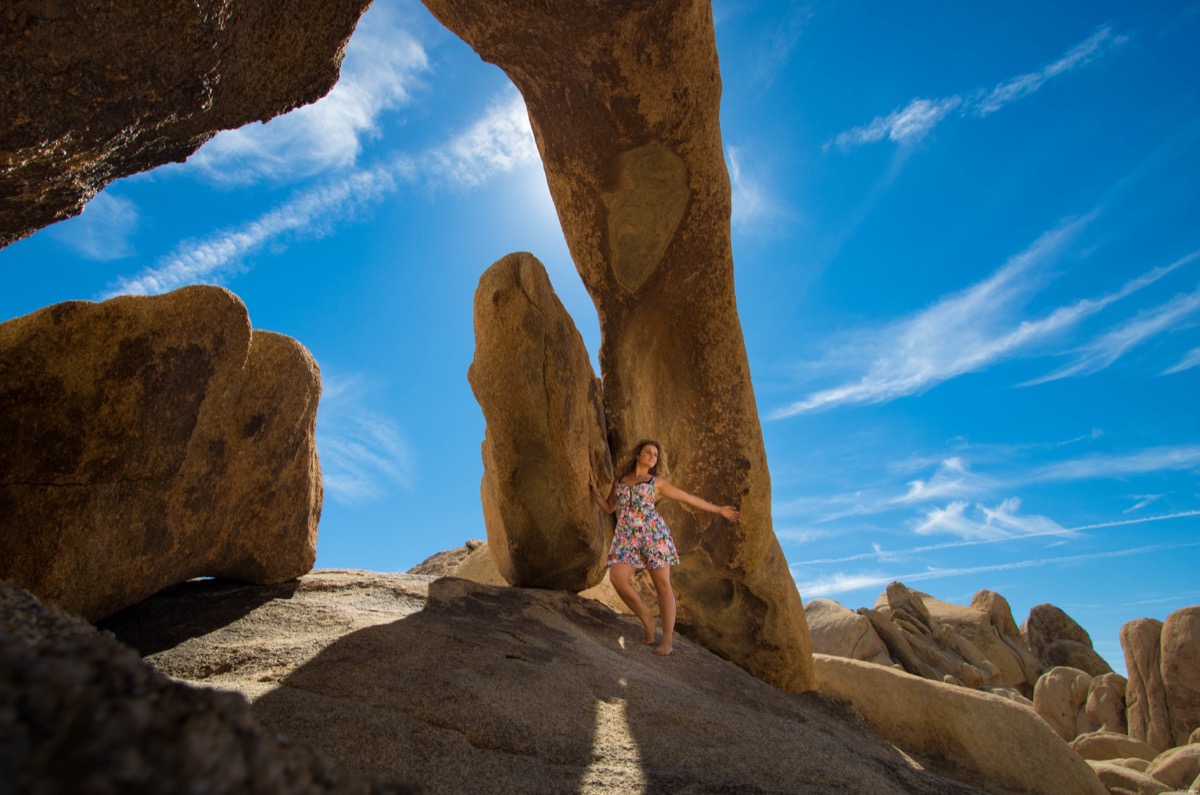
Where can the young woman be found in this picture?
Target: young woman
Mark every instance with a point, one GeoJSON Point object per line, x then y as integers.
{"type": "Point", "coordinates": [642, 539]}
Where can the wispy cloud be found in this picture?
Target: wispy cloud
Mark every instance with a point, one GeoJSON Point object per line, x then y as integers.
{"type": "Point", "coordinates": [1154, 459]}
{"type": "Point", "coordinates": [916, 119]}
{"type": "Point", "coordinates": [383, 64]}
{"type": "Point", "coordinates": [1002, 521]}
{"type": "Point", "coordinates": [778, 43]}
{"type": "Point", "coordinates": [363, 453]}
{"type": "Point", "coordinates": [952, 479]}
{"type": "Point", "coordinates": [102, 231]}
{"type": "Point", "coordinates": [498, 142]}
{"type": "Point", "coordinates": [840, 582]}
{"type": "Point", "coordinates": [1191, 359]}
{"type": "Point", "coordinates": [1143, 501]}
{"type": "Point", "coordinates": [1106, 349]}
{"type": "Point", "coordinates": [970, 330]}
{"type": "Point", "coordinates": [753, 205]}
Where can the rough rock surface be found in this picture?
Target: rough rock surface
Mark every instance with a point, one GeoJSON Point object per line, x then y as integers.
{"type": "Point", "coordinates": [454, 683]}
{"type": "Point", "coordinates": [979, 738]}
{"type": "Point", "coordinates": [1105, 708]}
{"type": "Point", "coordinates": [94, 90]}
{"type": "Point", "coordinates": [145, 441]}
{"type": "Point", "coordinates": [1181, 671]}
{"type": "Point", "coordinates": [1176, 767]}
{"type": "Point", "coordinates": [1060, 697]}
{"type": "Point", "coordinates": [442, 564]}
{"type": "Point", "coordinates": [1057, 639]}
{"type": "Point", "coordinates": [624, 101]}
{"type": "Point", "coordinates": [1121, 780]}
{"type": "Point", "coordinates": [80, 712]}
{"type": "Point", "coordinates": [1104, 746]}
{"type": "Point", "coordinates": [545, 432]}
{"type": "Point", "coordinates": [841, 632]}
{"type": "Point", "coordinates": [1017, 664]}
{"type": "Point", "coordinates": [1145, 699]}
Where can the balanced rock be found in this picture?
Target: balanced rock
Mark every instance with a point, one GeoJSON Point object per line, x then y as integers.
{"type": "Point", "coordinates": [80, 712]}
{"type": "Point", "coordinates": [988, 741]}
{"type": "Point", "coordinates": [839, 631]}
{"type": "Point", "coordinates": [465, 687]}
{"type": "Point", "coordinates": [1145, 698]}
{"type": "Point", "coordinates": [1057, 639]}
{"type": "Point", "coordinates": [545, 433]}
{"type": "Point", "coordinates": [624, 102]}
{"type": "Point", "coordinates": [1181, 671]}
{"type": "Point", "coordinates": [94, 90]}
{"type": "Point", "coordinates": [1060, 697]}
{"type": "Point", "coordinates": [1176, 767]}
{"type": "Point", "coordinates": [148, 440]}
{"type": "Point", "coordinates": [1103, 746]}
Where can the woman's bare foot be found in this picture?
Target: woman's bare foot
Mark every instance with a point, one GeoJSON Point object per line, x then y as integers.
{"type": "Point", "coordinates": [649, 639]}
{"type": "Point", "coordinates": [662, 649]}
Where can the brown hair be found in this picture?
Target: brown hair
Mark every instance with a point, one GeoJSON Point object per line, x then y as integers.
{"type": "Point", "coordinates": [637, 451]}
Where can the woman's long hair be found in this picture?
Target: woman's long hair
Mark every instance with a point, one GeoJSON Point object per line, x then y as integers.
{"type": "Point", "coordinates": [637, 451]}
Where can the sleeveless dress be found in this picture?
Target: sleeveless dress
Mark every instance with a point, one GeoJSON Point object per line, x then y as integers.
{"type": "Point", "coordinates": [642, 538]}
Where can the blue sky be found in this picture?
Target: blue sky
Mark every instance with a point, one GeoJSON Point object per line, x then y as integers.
{"type": "Point", "coordinates": [967, 254]}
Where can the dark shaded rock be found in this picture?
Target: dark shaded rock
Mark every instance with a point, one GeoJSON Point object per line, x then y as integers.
{"type": "Point", "coordinates": [624, 101]}
{"type": "Point", "coordinates": [146, 441]}
{"type": "Point", "coordinates": [545, 432]}
{"type": "Point", "coordinates": [1057, 640]}
{"type": "Point", "coordinates": [93, 90]}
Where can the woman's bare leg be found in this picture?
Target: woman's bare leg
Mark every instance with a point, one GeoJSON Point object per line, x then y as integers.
{"type": "Point", "coordinates": [619, 574]}
{"type": "Point", "coordinates": [666, 608]}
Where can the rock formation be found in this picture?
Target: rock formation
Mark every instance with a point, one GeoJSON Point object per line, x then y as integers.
{"type": "Point", "coordinates": [445, 564]}
{"type": "Point", "coordinates": [1105, 708]}
{"type": "Point", "coordinates": [545, 432]}
{"type": "Point", "coordinates": [463, 687]}
{"type": "Point", "coordinates": [1060, 698]}
{"type": "Point", "coordinates": [975, 737]}
{"type": "Point", "coordinates": [1102, 746]}
{"type": "Point", "coordinates": [1145, 699]}
{"type": "Point", "coordinates": [1181, 671]}
{"type": "Point", "coordinates": [80, 712]}
{"type": "Point", "coordinates": [841, 632]}
{"type": "Point", "coordinates": [93, 91]}
{"type": "Point", "coordinates": [624, 102]}
{"type": "Point", "coordinates": [145, 441]}
{"type": "Point", "coordinates": [1057, 640]}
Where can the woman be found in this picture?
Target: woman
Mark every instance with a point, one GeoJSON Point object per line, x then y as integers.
{"type": "Point", "coordinates": [642, 539]}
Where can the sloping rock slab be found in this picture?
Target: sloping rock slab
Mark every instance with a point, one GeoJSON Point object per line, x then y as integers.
{"type": "Point", "coordinates": [466, 687]}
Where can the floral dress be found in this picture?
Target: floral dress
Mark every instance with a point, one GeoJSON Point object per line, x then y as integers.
{"type": "Point", "coordinates": [642, 538]}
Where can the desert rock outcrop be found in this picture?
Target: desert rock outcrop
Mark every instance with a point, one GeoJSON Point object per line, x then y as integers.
{"type": "Point", "coordinates": [80, 712]}
{"type": "Point", "coordinates": [463, 687]}
{"type": "Point", "coordinates": [976, 737]}
{"type": "Point", "coordinates": [1057, 639]}
{"type": "Point", "coordinates": [1103, 746]}
{"type": "Point", "coordinates": [624, 101]}
{"type": "Point", "coordinates": [545, 432]}
{"type": "Point", "coordinates": [93, 91]}
{"type": "Point", "coordinates": [841, 632]}
{"type": "Point", "coordinates": [148, 440]}
{"type": "Point", "coordinates": [1145, 699]}
{"type": "Point", "coordinates": [1181, 671]}
{"type": "Point", "coordinates": [1176, 767]}
{"type": "Point", "coordinates": [1060, 697]}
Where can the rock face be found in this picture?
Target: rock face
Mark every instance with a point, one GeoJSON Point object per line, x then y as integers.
{"type": "Point", "coordinates": [442, 564]}
{"type": "Point", "coordinates": [1181, 671]}
{"type": "Point", "coordinates": [624, 101]}
{"type": "Point", "coordinates": [545, 432]}
{"type": "Point", "coordinates": [93, 90]}
{"type": "Point", "coordinates": [145, 441]}
{"type": "Point", "coordinates": [975, 737]}
{"type": "Point", "coordinates": [1105, 708]}
{"type": "Point", "coordinates": [1101, 746]}
{"type": "Point", "coordinates": [1145, 699]}
{"type": "Point", "coordinates": [462, 687]}
{"type": "Point", "coordinates": [841, 632]}
{"type": "Point", "coordinates": [1060, 697]}
{"type": "Point", "coordinates": [1057, 640]}
{"type": "Point", "coordinates": [79, 712]}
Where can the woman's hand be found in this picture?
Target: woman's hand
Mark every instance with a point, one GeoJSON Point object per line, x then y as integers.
{"type": "Point", "coordinates": [731, 513]}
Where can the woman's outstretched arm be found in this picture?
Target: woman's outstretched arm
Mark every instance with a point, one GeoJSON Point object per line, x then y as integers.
{"type": "Point", "coordinates": [664, 488]}
{"type": "Point", "coordinates": [607, 504]}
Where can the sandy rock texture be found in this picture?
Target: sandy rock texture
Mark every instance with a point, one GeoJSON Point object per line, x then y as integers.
{"type": "Point", "coordinates": [1145, 698]}
{"type": "Point", "coordinates": [1060, 698]}
{"type": "Point", "coordinates": [979, 738]}
{"type": "Point", "coordinates": [841, 632]}
{"type": "Point", "coordinates": [1176, 767]}
{"type": "Point", "coordinates": [93, 90]}
{"type": "Point", "coordinates": [464, 687]}
{"type": "Point", "coordinates": [624, 101]}
{"type": "Point", "coordinates": [545, 432]}
{"type": "Point", "coordinates": [1181, 671]}
{"type": "Point", "coordinates": [1121, 780]}
{"type": "Point", "coordinates": [148, 440]}
{"type": "Point", "coordinates": [1057, 639]}
{"type": "Point", "coordinates": [1104, 746]}
{"type": "Point", "coordinates": [81, 713]}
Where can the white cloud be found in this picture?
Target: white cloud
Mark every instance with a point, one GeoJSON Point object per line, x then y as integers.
{"type": "Point", "coordinates": [1154, 459]}
{"type": "Point", "coordinates": [102, 231]}
{"type": "Point", "coordinates": [914, 121]}
{"type": "Point", "coordinates": [951, 480]}
{"type": "Point", "coordinates": [363, 453]}
{"type": "Point", "coordinates": [752, 205]}
{"type": "Point", "coordinates": [383, 64]}
{"type": "Point", "coordinates": [1002, 521]}
{"type": "Point", "coordinates": [1191, 359]}
{"type": "Point", "coordinates": [1143, 501]}
{"type": "Point", "coordinates": [498, 142]}
{"type": "Point", "coordinates": [1114, 344]}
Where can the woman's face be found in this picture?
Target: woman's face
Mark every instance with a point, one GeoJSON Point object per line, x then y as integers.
{"type": "Point", "coordinates": [648, 456]}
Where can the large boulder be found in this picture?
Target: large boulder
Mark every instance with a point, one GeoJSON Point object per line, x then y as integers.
{"type": "Point", "coordinates": [1121, 780]}
{"type": "Point", "coordinates": [841, 632]}
{"type": "Point", "coordinates": [1145, 698]}
{"type": "Point", "coordinates": [80, 712]}
{"type": "Point", "coordinates": [465, 687]}
{"type": "Point", "coordinates": [991, 742]}
{"type": "Point", "coordinates": [1103, 746]}
{"type": "Point", "coordinates": [624, 102]}
{"type": "Point", "coordinates": [1181, 671]}
{"type": "Point", "coordinates": [1057, 639]}
{"type": "Point", "coordinates": [94, 90]}
{"type": "Point", "coordinates": [1176, 767]}
{"type": "Point", "coordinates": [1000, 640]}
{"type": "Point", "coordinates": [545, 432]}
{"type": "Point", "coordinates": [1060, 697]}
{"type": "Point", "coordinates": [1105, 709]}
{"type": "Point", "coordinates": [148, 440]}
